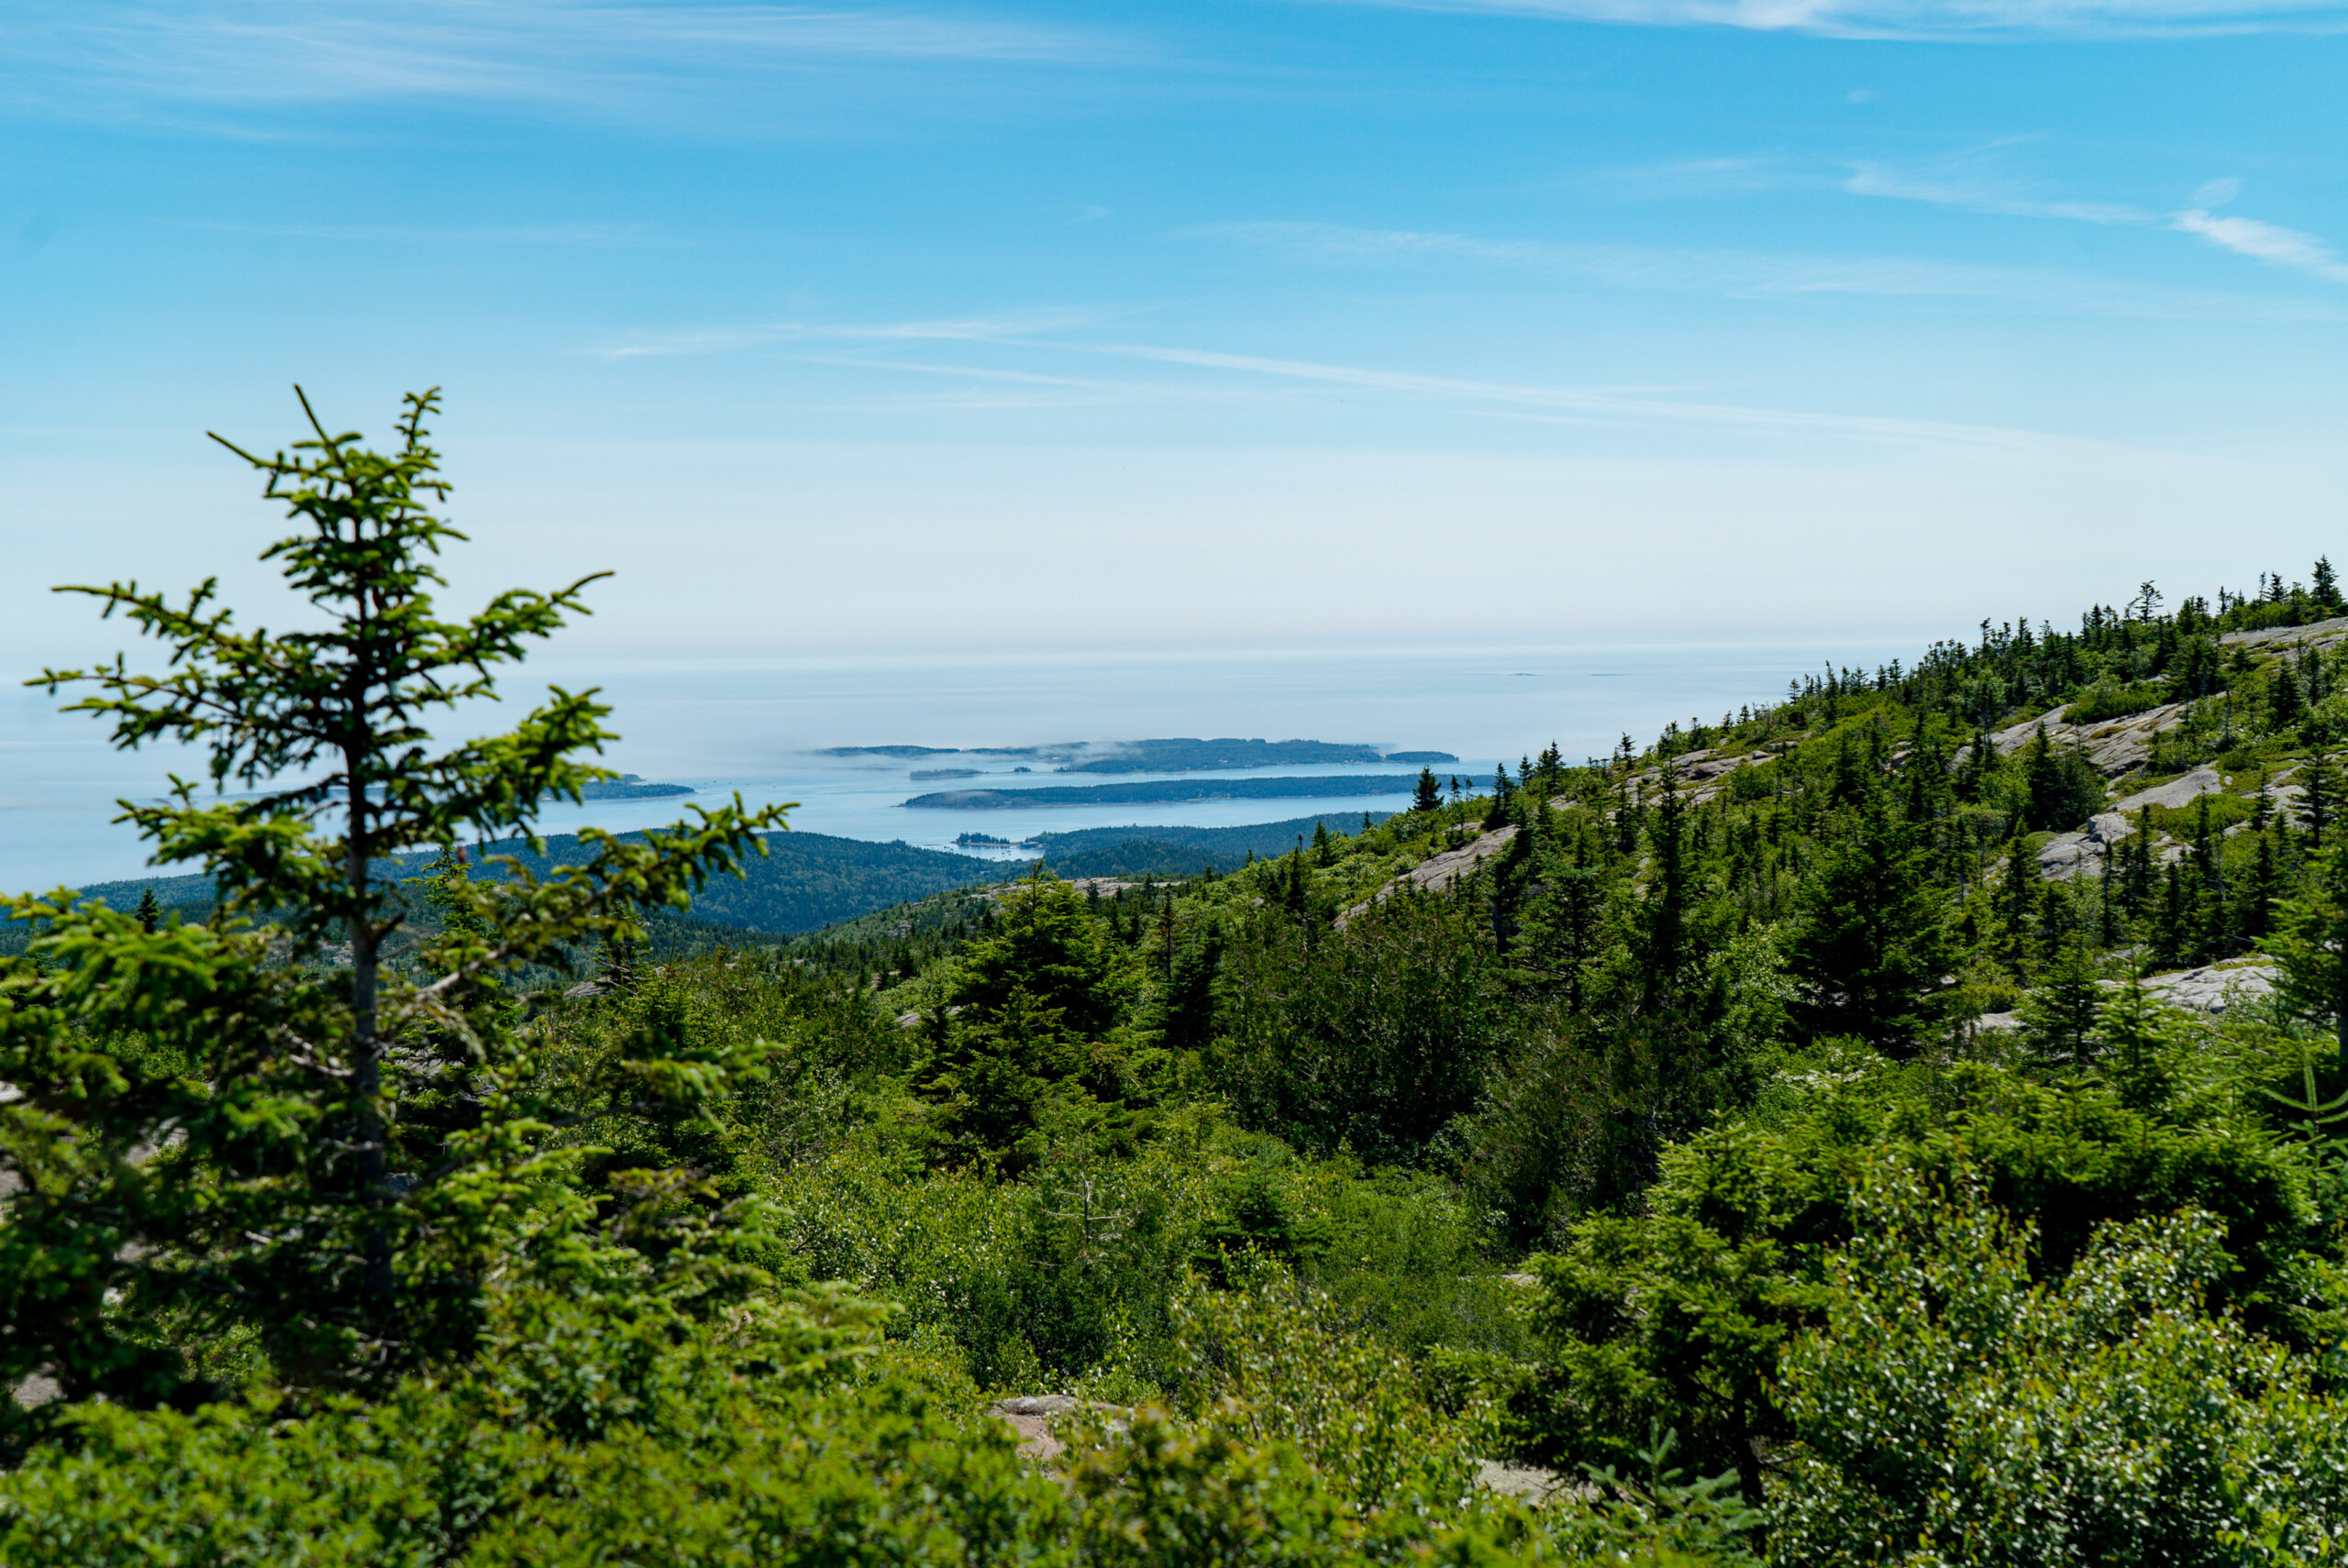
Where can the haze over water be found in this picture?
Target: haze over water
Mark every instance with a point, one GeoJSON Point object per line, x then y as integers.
{"type": "Point", "coordinates": [761, 727]}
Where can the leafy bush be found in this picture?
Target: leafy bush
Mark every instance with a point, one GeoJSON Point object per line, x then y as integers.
{"type": "Point", "coordinates": [1676, 1318]}
{"type": "Point", "coordinates": [1374, 1036]}
{"type": "Point", "coordinates": [2109, 698]}
{"type": "Point", "coordinates": [1952, 1409]}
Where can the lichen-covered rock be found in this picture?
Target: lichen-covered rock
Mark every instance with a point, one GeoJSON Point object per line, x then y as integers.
{"type": "Point", "coordinates": [2176, 791]}
{"type": "Point", "coordinates": [1439, 873]}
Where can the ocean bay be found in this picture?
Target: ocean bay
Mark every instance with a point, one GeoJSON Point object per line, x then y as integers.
{"type": "Point", "coordinates": [762, 728]}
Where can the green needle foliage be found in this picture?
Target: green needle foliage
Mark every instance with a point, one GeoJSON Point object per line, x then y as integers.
{"type": "Point", "coordinates": [2313, 947]}
{"type": "Point", "coordinates": [219, 1178]}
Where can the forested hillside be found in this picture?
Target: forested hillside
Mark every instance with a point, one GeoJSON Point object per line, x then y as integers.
{"type": "Point", "coordinates": [1771, 1144]}
{"type": "Point", "coordinates": [802, 882]}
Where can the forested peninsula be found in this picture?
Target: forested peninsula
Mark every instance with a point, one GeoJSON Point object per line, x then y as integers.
{"type": "Point", "coordinates": [1900, 1122]}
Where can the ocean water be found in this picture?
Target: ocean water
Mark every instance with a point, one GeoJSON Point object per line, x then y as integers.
{"type": "Point", "coordinates": [760, 728]}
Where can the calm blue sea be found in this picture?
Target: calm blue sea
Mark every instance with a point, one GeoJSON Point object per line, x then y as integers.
{"type": "Point", "coordinates": [760, 728]}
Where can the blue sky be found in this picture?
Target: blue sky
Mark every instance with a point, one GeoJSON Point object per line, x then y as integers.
{"type": "Point", "coordinates": [988, 327]}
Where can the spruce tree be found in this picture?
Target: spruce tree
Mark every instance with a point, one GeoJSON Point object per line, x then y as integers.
{"type": "Point", "coordinates": [2018, 903]}
{"type": "Point", "coordinates": [1980, 762]}
{"type": "Point", "coordinates": [1870, 945]}
{"type": "Point", "coordinates": [2171, 918]}
{"type": "Point", "coordinates": [1039, 995]}
{"type": "Point", "coordinates": [2059, 1016]}
{"type": "Point", "coordinates": [1495, 811]}
{"type": "Point", "coordinates": [150, 913]}
{"type": "Point", "coordinates": [2061, 788]}
{"type": "Point", "coordinates": [1429, 794]}
{"type": "Point", "coordinates": [1562, 933]}
{"type": "Point", "coordinates": [1186, 1009]}
{"type": "Point", "coordinates": [2318, 798]}
{"type": "Point", "coordinates": [2283, 703]}
{"type": "Point", "coordinates": [1661, 944]}
{"type": "Point", "coordinates": [2312, 944]}
{"type": "Point", "coordinates": [218, 1133]}
{"type": "Point", "coordinates": [2212, 913]}
{"type": "Point", "coordinates": [1324, 849]}
{"type": "Point", "coordinates": [2257, 904]}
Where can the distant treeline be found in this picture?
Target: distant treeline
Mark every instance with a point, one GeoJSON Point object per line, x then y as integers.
{"type": "Point", "coordinates": [1185, 851]}
{"type": "Point", "coordinates": [804, 882]}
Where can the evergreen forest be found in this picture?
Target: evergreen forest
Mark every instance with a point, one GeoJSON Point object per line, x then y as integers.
{"type": "Point", "coordinates": [1905, 1121]}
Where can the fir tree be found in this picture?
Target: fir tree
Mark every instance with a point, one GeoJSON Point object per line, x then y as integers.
{"type": "Point", "coordinates": [2061, 786]}
{"type": "Point", "coordinates": [2212, 917]}
{"type": "Point", "coordinates": [1661, 942]}
{"type": "Point", "coordinates": [1495, 811]}
{"type": "Point", "coordinates": [1980, 761]}
{"type": "Point", "coordinates": [150, 911]}
{"type": "Point", "coordinates": [324, 1230]}
{"type": "Point", "coordinates": [2059, 1016]}
{"type": "Point", "coordinates": [2283, 704]}
{"type": "Point", "coordinates": [2319, 797]}
{"type": "Point", "coordinates": [1870, 946]}
{"type": "Point", "coordinates": [1164, 934]}
{"type": "Point", "coordinates": [2018, 903]}
{"type": "Point", "coordinates": [1324, 849]}
{"type": "Point", "coordinates": [1186, 1011]}
{"type": "Point", "coordinates": [2257, 903]}
{"type": "Point", "coordinates": [1295, 895]}
{"type": "Point", "coordinates": [1564, 928]}
{"type": "Point", "coordinates": [1038, 997]}
{"type": "Point", "coordinates": [2312, 944]}
{"type": "Point", "coordinates": [2171, 918]}
{"type": "Point", "coordinates": [1429, 794]}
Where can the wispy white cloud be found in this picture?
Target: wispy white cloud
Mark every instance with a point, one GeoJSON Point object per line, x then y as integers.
{"type": "Point", "coordinates": [1242, 374]}
{"type": "Point", "coordinates": [1962, 182]}
{"type": "Point", "coordinates": [1749, 274]}
{"type": "Point", "coordinates": [591, 235]}
{"type": "Point", "coordinates": [1978, 191]}
{"type": "Point", "coordinates": [255, 53]}
{"type": "Point", "coordinates": [2266, 242]}
{"type": "Point", "coordinates": [1599, 405]}
{"type": "Point", "coordinates": [1935, 19]}
{"type": "Point", "coordinates": [1008, 328]}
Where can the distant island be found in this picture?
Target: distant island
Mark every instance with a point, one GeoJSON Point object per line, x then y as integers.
{"type": "Point", "coordinates": [1184, 753]}
{"type": "Point", "coordinates": [630, 787]}
{"type": "Point", "coordinates": [1177, 753]}
{"type": "Point", "coordinates": [1042, 753]}
{"type": "Point", "coordinates": [923, 774]}
{"type": "Point", "coordinates": [1164, 791]}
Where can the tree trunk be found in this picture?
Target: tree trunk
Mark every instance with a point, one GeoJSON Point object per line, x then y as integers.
{"type": "Point", "coordinates": [367, 1066]}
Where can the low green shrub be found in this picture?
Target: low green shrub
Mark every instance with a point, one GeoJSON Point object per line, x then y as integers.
{"type": "Point", "coordinates": [1953, 1409]}
{"type": "Point", "coordinates": [2108, 699]}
